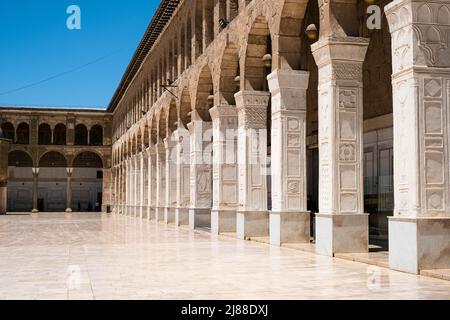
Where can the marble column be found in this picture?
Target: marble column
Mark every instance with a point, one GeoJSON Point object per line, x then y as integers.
{"type": "Point", "coordinates": [140, 195]}
{"type": "Point", "coordinates": [341, 224]}
{"type": "Point", "coordinates": [128, 186]}
{"type": "Point", "coordinates": [135, 192]}
{"type": "Point", "coordinates": [252, 219]}
{"type": "Point", "coordinates": [151, 182]}
{"type": "Point", "coordinates": [144, 198]}
{"type": "Point", "coordinates": [160, 182]}
{"type": "Point", "coordinates": [201, 183]}
{"type": "Point", "coordinates": [171, 180]}
{"type": "Point", "coordinates": [289, 218]}
{"type": "Point", "coordinates": [419, 231]}
{"type": "Point", "coordinates": [225, 169]}
{"type": "Point", "coordinates": [35, 189]}
{"type": "Point", "coordinates": [183, 176]}
{"type": "Point", "coordinates": [69, 190]}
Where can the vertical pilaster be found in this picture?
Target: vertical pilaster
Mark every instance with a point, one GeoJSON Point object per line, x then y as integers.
{"type": "Point", "coordinates": [183, 176]}
{"type": "Point", "coordinates": [341, 225]}
{"type": "Point", "coordinates": [171, 181]}
{"type": "Point", "coordinates": [289, 219]}
{"type": "Point", "coordinates": [419, 231]}
{"type": "Point", "coordinates": [201, 183]}
{"type": "Point", "coordinates": [252, 218]}
{"type": "Point", "coordinates": [225, 169]}
{"type": "Point", "coordinates": [161, 182]}
{"type": "Point", "coordinates": [151, 182]}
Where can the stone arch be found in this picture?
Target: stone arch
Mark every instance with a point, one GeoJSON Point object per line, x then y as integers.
{"type": "Point", "coordinates": [96, 135]}
{"type": "Point", "coordinates": [20, 158]}
{"type": "Point", "coordinates": [8, 131]}
{"type": "Point", "coordinates": [81, 135]}
{"type": "Point", "coordinates": [44, 134]}
{"type": "Point", "coordinates": [204, 99]}
{"type": "Point", "coordinates": [53, 159]}
{"type": "Point", "coordinates": [87, 159]}
{"type": "Point", "coordinates": [443, 17]}
{"type": "Point", "coordinates": [60, 134]}
{"type": "Point", "coordinates": [172, 117]}
{"type": "Point", "coordinates": [162, 125]}
{"type": "Point", "coordinates": [258, 58]}
{"type": "Point", "coordinates": [185, 107]}
{"type": "Point", "coordinates": [290, 30]}
{"type": "Point", "coordinates": [229, 75]}
{"type": "Point", "coordinates": [424, 14]}
{"type": "Point", "coordinates": [23, 133]}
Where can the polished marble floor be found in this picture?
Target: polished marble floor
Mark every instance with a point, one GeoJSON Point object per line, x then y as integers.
{"type": "Point", "coordinates": [95, 256]}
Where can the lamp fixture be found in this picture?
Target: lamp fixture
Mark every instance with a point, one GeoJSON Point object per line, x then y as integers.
{"type": "Point", "coordinates": [311, 32]}
{"type": "Point", "coordinates": [267, 60]}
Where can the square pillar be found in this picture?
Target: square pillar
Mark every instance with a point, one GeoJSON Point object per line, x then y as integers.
{"type": "Point", "coordinates": [183, 176]}
{"type": "Point", "coordinates": [225, 169]}
{"type": "Point", "coordinates": [289, 218]}
{"type": "Point", "coordinates": [252, 219]}
{"type": "Point", "coordinates": [341, 224]}
{"type": "Point", "coordinates": [160, 182]}
{"type": "Point", "coordinates": [201, 175]}
{"type": "Point", "coordinates": [419, 231]}
{"type": "Point", "coordinates": [171, 180]}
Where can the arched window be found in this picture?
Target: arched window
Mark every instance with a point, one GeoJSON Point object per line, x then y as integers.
{"type": "Point", "coordinates": [8, 130]}
{"type": "Point", "coordinates": [44, 134]}
{"type": "Point", "coordinates": [23, 133]}
{"type": "Point", "coordinates": [81, 135]}
{"type": "Point", "coordinates": [59, 134]}
{"type": "Point", "coordinates": [19, 159]}
{"type": "Point", "coordinates": [96, 136]}
{"type": "Point", "coordinates": [53, 159]}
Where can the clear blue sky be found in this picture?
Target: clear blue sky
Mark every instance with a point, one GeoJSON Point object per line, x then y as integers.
{"type": "Point", "coordinates": [35, 44]}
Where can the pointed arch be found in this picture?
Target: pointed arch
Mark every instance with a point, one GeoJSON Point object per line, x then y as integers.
{"type": "Point", "coordinates": [229, 83]}
{"type": "Point", "coordinates": [205, 94]}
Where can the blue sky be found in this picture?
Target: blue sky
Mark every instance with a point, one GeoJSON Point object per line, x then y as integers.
{"type": "Point", "coordinates": [35, 44]}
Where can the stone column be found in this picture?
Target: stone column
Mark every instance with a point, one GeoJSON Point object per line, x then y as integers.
{"type": "Point", "coordinates": [127, 187]}
{"type": "Point", "coordinates": [419, 231]}
{"type": "Point", "coordinates": [183, 176]}
{"type": "Point", "coordinates": [171, 181]}
{"type": "Point", "coordinates": [341, 225]}
{"type": "Point", "coordinates": [252, 218]}
{"type": "Point", "coordinates": [141, 174]}
{"type": "Point", "coordinates": [289, 218]}
{"type": "Point", "coordinates": [144, 198]}
{"type": "Point", "coordinates": [225, 169]}
{"type": "Point", "coordinates": [69, 190]}
{"type": "Point", "coordinates": [151, 182]}
{"type": "Point", "coordinates": [135, 191]}
{"type": "Point", "coordinates": [201, 184]}
{"type": "Point", "coordinates": [35, 189]}
{"type": "Point", "coordinates": [160, 182]}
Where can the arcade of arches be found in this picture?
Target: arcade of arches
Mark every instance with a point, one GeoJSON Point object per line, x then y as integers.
{"type": "Point", "coordinates": [285, 121]}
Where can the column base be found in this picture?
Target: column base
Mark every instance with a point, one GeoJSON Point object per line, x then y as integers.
{"type": "Point", "coordinates": [68, 210]}
{"type": "Point", "coordinates": [159, 214]}
{"type": "Point", "coordinates": [341, 233]}
{"type": "Point", "coordinates": [252, 224]}
{"type": "Point", "coordinates": [35, 211]}
{"type": "Point", "coordinates": [223, 221]}
{"type": "Point", "coordinates": [150, 213]}
{"type": "Point", "coordinates": [169, 215]}
{"type": "Point", "coordinates": [199, 218]}
{"type": "Point", "coordinates": [289, 227]}
{"type": "Point", "coordinates": [417, 244]}
{"type": "Point", "coordinates": [182, 216]}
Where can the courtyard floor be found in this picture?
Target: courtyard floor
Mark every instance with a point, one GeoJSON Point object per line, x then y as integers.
{"type": "Point", "coordinates": [98, 256]}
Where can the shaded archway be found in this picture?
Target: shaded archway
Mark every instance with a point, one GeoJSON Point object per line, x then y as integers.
{"type": "Point", "coordinates": [81, 135]}
{"type": "Point", "coordinates": [8, 131]}
{"type": "Point", "coordinates": [229, 77]}
{"type": "Point", "coordinates": [172, 121]}
{"type": "Point", "coordinates": [20, 185]}
{"type": "Point", "coordinates": [185, 107]}
{"type": "Point", "coordinates": [53, 159]}
{"type": "Point", "coordinates": [23, 133]}
{"type": "Point", "coordinates": [204, 99]}
{"type": "Point", "coordinates": [44, 134]}
{"type": "Point", "coordinates": [87, 184]}
{"type": "Point", "coordinates": [258, 59]}
{"type": "Point", "coordinates": [59, 134]}
{"type": "Point", "coordinates": [96, 135]}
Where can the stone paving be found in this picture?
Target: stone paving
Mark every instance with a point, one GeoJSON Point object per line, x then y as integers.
{"type": "Point", "coordinates": [95, 256]}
